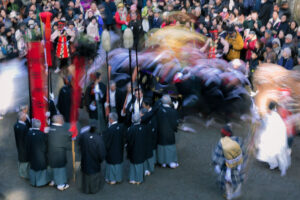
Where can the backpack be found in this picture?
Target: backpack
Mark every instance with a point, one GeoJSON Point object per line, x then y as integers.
{"type": "Point", "coordinates": [232, 152]}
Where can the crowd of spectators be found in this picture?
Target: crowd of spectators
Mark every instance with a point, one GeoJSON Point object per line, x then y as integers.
{"type": "Point", "coordinates": [253, 30]}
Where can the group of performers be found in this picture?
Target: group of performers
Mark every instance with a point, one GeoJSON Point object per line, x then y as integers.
{"type": "Point", "coordinates": [137, 122]}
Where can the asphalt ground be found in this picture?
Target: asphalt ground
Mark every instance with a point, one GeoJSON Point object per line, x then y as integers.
{"type": "Point", "coordinates": [193, 179]}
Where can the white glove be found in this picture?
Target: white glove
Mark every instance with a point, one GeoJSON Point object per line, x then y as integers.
{"type": "Point", "coordinates": [46, 129]}
{"type": "Point", "coordinates": [228, 175]}
{"type": "Point", "coordinates": [48, 114]}
{"type": "Point", "coordinates": [217, 169]}
{"type": "Point", "coordinates": [92, 107]}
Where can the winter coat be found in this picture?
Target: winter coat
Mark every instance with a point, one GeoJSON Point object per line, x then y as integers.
{"type": "Point", "coordinates": [236, 44]}
{"type": "Point", "coordinates": [93, 31]}
{"type": "Point", "coordinates": [110, 10]}
{"type": "Point", "coordinates": [286, 63]}
{"type": "Point", "coordinates": [249, 45]}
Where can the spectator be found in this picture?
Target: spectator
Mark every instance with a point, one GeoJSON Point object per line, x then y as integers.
{"type": "Point", "coordinates": [293, 27]}
{"type": "Point", "coordinates": [120, 17]}
{"type": "Point", "coordinates": [236, 44]}
{"type": "Point", "coordinates": [156, 21]}
{"type": "Point", "coordinates": [249, 44]}
{"type": "Point", "coordinates": [276, 46]}
{"type": "Point", "coordinates": [286, 60]}
{"type": "Point", "coordinates": [284, 25]}
{"type": "Point", "coordinates": [92, 30]}
{"type": "Point", "coordinates": [275, 22]}
{"type": "Point", "coordinates": [110, 10]}
{"type": "Point", "coordinates": [265, 11]}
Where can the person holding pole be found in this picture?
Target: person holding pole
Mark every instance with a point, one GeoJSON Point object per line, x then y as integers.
{"type": "Point", "coordinates": [59, 142]}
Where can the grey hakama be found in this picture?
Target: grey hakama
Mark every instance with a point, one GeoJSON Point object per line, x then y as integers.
{"type": "Point", "coordinates": [91, 184]}
{"type": "Point", "coordinates": [136, 172]}
{"type": "Point", "coordinates": [166, 154]}
{"type": "Point", "coordinates": [23, 168]}
{"type": "Point", "coordinates": [39, 178]}
{"type": "Point", "coordinates": [114, 172]}
{"type": "Point", "coordinates": [149, 164]}
{"type": "Point", "coordinates": [59, 175]}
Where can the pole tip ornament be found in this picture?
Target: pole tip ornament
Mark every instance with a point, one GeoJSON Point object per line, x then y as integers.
{"type": "Point", "coordinates": [128, 38]}
{"type": "Point", "coordinates": [106, 40]}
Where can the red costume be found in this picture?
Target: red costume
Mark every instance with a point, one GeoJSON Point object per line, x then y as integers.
{"type": "Point", "coordinates": [62, 50]}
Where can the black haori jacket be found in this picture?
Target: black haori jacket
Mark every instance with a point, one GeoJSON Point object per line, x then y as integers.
{"type": "Point", "coordinates": [167, 122]}
{"type": "Point", "coordinates": [37, 149]}
{"type": "Point", "coordinates": [114, 143]}
{"type": "Point", "coordinates": [59, 141]}
{"type": "Point", "coordinates": [21, 131]}
{"type": "Point", "coordinates": [136, 143]}
{"type": "Point", "coordinates": [92, 152]}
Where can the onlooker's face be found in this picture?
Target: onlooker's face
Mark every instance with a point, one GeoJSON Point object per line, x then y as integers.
{"type": "Point", "coordinates": [71, 4]}
{"type": "Point", "coordinates": [293, 25]}
{"type": "Point", "coordinates": [275, 15]}
{"type": "Point", "coordinates": [57, 5]}
{"type": "Point", "coordinates": [93, 6]}
{"type": "Point", "coordinates": [156, 15]}
{"type": "Point", "coordinates": [149, 4]}
{"type": "Point", "coordinates": [281, 34]}
{"type": "Point", "coordinates": [90, 14]}
{"type": "Point", "coordinates": [3, 13]}
{"type": "Point", "coordinates": [254, 16]}
{"type": "Point", "coordinates": [288, 40]}
{"type": "Point", "coordinates": [283, 18]}
{"type": "Point", "coordinates": [133, 16]}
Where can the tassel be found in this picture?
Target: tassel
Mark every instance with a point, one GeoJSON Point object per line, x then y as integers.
{"type": "Point", "coordinates": [128, 38]}
{"type": "Point", "coordinates": [106, 40]}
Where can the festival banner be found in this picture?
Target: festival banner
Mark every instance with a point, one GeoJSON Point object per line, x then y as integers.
{"type": "Point", "coordinates": [46, 19]}
{"type": "Point", "coordinates": [35, 60]}
{"type": "Point", "coordinates": [76, 93]}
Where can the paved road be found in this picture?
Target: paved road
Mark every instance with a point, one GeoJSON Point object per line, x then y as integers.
{"type": "Point", "coordinates": [194, 179]}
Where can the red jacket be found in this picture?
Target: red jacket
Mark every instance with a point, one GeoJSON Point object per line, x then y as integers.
{"type": "Point", "coordinates": [118, 20]}
{"type": "Point", "coordinates": [249, 45]}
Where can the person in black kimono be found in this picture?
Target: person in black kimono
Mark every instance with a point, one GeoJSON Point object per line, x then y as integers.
{"type": "Point", "coordinates": [93, 152]}
{"type": "Point", "coordinates": [64, 100]}
{"type": "Point", "coordinates": [37, 155]}
{"type": "Point", "coordinates": [167, 123]}
{"type": "Point", "coordinates": [136, 143]}
{"type": "Point", "coordinates": [114, 143]}
{"type": "Point", "coordinates": [150, 120]}
{"type": "Point", "coordinates": [133, 107]}
{"type": "Point", "coordinates": [21, 131]}
{"type": "Point", "coordinates": [59, 141]}
{"type": "Point", "coordinates": [95, 97]}
{"type": "Point", "coordinates": [116, 99]}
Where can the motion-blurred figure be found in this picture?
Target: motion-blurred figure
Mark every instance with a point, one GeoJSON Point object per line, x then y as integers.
{"type": "Point", "coordinates": [272, 144]}
{"type": "Point", "coordinates": [228, 161]}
